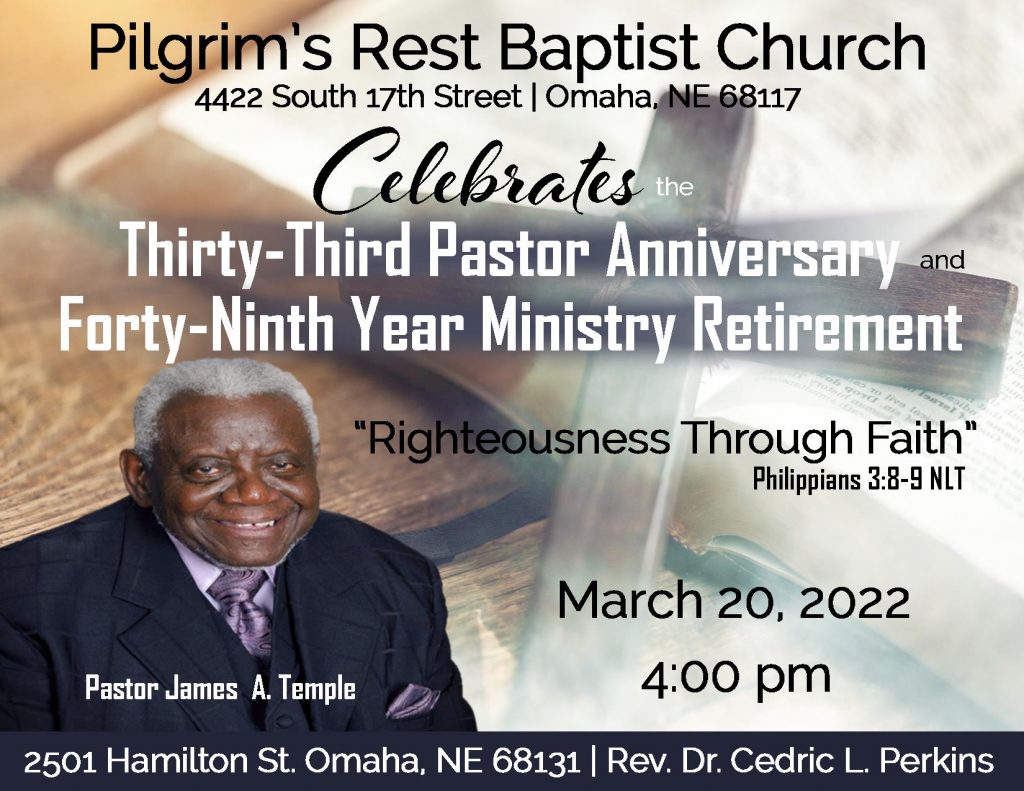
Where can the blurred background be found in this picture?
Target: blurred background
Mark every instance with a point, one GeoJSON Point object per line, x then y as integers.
{"type": "Point", "coordinates": [80, 149]}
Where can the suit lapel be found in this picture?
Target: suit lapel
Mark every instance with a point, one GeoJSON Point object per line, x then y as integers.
{"type": "Point", "coordinates": [179, 634]}
{"type": "Point", "coordinates": [336, 622]}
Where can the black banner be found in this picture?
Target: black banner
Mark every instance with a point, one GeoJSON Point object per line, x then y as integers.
{"type": "Point", "coordinates": [515, 760]}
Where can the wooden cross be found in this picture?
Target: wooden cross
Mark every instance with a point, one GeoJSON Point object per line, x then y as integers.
{"type": "Point", "coordinates": [611, 512]}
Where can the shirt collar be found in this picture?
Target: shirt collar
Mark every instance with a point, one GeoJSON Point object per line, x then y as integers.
{"type": "Point", "coordinates": [203, 571]}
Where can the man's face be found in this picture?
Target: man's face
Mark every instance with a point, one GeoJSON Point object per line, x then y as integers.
{"type": "Point", "coordinates": [234, 479]}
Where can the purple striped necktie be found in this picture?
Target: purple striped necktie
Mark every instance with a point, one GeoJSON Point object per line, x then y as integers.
{"type": "Point", "coordinates": [233, 591]}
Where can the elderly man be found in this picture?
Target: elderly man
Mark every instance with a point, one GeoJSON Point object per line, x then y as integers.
{"type": "Point", "coordinates": [218, 596]}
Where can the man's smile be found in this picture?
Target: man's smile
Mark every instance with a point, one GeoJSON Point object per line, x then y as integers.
{"type": "Point", "coordinates": [254, 525]}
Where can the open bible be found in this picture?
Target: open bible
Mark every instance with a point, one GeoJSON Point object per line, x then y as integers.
{"type": "Point", "coordinates": [959, 552]}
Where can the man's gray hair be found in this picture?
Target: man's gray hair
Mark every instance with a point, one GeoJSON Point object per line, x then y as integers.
{"type": "Point", "coordinates": [224, 378]}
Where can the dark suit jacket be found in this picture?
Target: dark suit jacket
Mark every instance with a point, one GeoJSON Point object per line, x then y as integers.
{"type": "Point", "coordinates": [109, 595]}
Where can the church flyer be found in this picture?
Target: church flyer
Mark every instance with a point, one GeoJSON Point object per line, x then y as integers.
{"type": "Point", "coordinates": [643, 383]}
